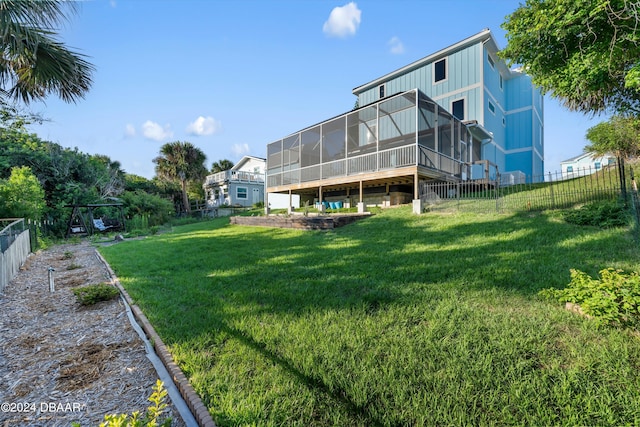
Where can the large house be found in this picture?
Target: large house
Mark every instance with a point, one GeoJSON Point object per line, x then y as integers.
{"type": "Point", "coordinates": [459, 114]}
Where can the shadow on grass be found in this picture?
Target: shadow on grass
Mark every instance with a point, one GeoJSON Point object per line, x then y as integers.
{"type": "Point", "coordinates": [215, 277]}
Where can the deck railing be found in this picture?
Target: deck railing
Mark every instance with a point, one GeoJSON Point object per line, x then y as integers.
{"type": "Point", "coordinates": [389, 159]}
{"type": "Point", "coordinates": [231, 175]}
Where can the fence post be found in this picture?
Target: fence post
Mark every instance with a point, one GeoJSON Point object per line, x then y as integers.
{"type": "Point", "coordinates": [623, 186]}
{"type": "Point", "coordinates": [553, 201]}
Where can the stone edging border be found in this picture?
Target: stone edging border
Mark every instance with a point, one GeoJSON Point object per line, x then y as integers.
{"type": "Point", "coordinates": [197, 408]}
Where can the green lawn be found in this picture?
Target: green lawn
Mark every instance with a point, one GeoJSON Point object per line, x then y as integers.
{"type": "Point", "coordinates": [394, 320]}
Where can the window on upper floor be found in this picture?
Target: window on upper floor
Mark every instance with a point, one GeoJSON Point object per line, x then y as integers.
{"type": "Point", "coordinates": [457, 108]}
{"type": "Point", "coordinates": [490, 59]}
{"type": "Point", "coordinates": [440, 70]}
{"type": "Point", "coordinates": [492, 107]}
{"type": "Point", "coordinates": [500, 81]}
{"type": "Point", "coordinates": [381, 91]}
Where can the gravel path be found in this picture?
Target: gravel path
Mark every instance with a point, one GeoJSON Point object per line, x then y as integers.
{"type": "Point", "coordinates": [61, 362]}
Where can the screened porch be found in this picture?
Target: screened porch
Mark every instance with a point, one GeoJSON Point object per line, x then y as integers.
{"type": "Point", "coordinates": [406, 135]}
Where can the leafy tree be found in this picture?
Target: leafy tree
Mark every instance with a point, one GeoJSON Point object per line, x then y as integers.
{"type": "Point", "coordinates": [619, 136]}
{"type": "Point", "coordinates": [181, 162]}
{"type": "Point", "coordinates": [584, 52]}
{"type": "Point", "coordinates": [21, 196]}
{"type": "Point", "coordinates": [157, 209]}
{"type": "Point", "coordinates": [221, 166]}
{"type": "Point", "coordinates": [33, 64]}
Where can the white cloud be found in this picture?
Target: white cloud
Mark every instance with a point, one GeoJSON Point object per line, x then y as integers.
{"type": "Point", "coordinates": [204, 126]}
{"type": "Point", "coordinates": [343, 21]}
{"type": "Point", "coordinates": [153, 130]}
{"type": "Point", "coordinates": [395, 46]}
{"type": "Point", "coordinates": [240, 149]}
{"type": "Point", "coordinates": [129, 130]}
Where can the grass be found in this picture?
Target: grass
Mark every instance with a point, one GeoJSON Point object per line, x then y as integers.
{"type": "Point", "coordinates": [394, 320]}
{"type": "Point", "coordinates": [601, 185]}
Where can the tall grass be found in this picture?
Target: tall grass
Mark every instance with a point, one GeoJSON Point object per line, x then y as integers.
{"type": "Point", "coordinates": [394, 320]}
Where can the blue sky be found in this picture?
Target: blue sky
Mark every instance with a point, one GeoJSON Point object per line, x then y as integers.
{"type": "Point", "coordinates": [232, 76]}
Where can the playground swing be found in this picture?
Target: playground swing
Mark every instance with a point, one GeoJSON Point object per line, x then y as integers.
{"type": "Point", "coordinates": [78, 225]}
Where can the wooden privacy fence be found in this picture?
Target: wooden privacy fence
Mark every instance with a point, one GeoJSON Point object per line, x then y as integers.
{"type": "Point", "coordinates": [15, 245]}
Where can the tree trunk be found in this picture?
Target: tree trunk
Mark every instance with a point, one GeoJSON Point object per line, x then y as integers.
{"type": "Point", "coordinates": [185, 199]}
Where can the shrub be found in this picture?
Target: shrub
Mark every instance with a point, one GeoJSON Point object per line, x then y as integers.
{"type": "Point", "coordinates": [92, 294]}
{"type": "Point", "coordinates": [150, 419]}
{"type": "Point", "coordinates": [605, 214]}
{"type": "Point", "coordinates": [614, 299]}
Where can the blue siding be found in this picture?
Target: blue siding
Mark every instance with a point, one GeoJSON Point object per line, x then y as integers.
{"type": "Point", "coordinates": [519, 127]}
{"type": "Point", "coordinates": [492, 81]}
{"type": "Point", "coordinates": [463, 69]}
{"type": "Point", "coordinates": [519, 92]}
{"type": "Point", "coordinates": [521, 161]}
{"type": "Point", "coordinates": [517, 120]}
{"type": "Point", "coordinates": [472, 100]}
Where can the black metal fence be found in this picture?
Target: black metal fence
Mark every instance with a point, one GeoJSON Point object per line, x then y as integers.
{"type": "Point", "coordinates": [513, 193]}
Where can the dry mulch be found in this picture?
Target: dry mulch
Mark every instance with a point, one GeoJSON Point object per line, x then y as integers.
{"type": "Point", "coordinates": [61, 362]}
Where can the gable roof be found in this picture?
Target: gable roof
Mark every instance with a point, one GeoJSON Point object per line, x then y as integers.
{"type": "Point", "coordinates": [586, 155]}
{"type": "Point", "coordinates": [244, 160]}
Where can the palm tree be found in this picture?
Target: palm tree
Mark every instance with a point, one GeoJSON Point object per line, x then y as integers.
{"type": "Point", "coordinates": [221, 166]}
{"type": "Point", "coordinates": [181, 162]}
{"type": "Point", "coordinates": [33, 64]}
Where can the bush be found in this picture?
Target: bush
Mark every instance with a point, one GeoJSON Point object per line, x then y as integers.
{"type": "Point", "coordinates": [614, 299]}
{"type": "Point", "coordinates": [150, 419]}
{"type": "Point", "coordinates": [154, 209]}
{"type": "Point", "coordinates": [92, 294]}
{"type": "Point", "coordinates": [605, 214]}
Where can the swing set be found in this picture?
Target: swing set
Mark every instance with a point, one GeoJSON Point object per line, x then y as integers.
{"type": "Point", "coordinates": [78, 226]}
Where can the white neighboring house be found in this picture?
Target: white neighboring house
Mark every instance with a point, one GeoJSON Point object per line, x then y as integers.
{"type": "Point", "coordinates": [242, 185]}
{"type": "Point", "coordinates": [585, 164]}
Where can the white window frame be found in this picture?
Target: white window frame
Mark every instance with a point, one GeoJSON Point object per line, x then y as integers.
{"type": "Point", "coordinates": [492, 108]}
{"type": "Point", "coordinates": [464, 109]}
{"type": "Point", "coordinates": [446, 70]}
{"type": "Point", "coordinates": [246, 193]}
